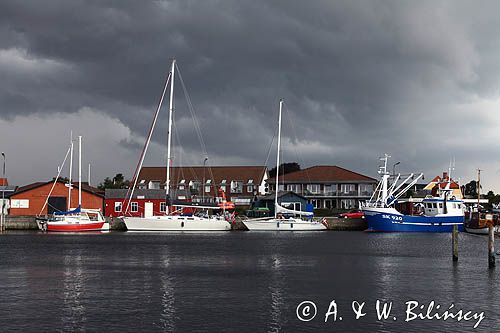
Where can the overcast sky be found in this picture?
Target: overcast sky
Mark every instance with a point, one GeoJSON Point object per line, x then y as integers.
{"type": "Point", "coordinates": [416, 79]}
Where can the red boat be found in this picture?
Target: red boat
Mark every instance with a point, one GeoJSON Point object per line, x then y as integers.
{"type": "Point", "coordinates": [75, 221]}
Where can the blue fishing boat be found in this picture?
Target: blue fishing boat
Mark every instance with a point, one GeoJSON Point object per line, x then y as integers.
{"type": "Point", "coordinates": [437, 214]}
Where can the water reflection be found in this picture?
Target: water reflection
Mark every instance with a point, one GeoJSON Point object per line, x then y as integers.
{"type": "Point", "coordinates": [167, 315]}
{"type": "Point", "coordinates": [74, 312]}
{"type": "Point", "coordinates": [276, 283]}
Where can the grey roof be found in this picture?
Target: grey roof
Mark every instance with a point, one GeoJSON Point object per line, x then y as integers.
{"type": "Point", "coordinates": [8, 190]}
{"type": "Point", "coordinates": [280, 194]}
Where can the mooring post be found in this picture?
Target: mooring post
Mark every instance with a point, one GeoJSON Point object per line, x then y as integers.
{"type": "Point", "coordinates": [454, 242]}
{"type": "Point", "coordinates": [491, 246]}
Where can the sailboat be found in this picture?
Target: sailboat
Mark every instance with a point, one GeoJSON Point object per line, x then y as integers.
{"type": "Point", "coordinates": [172, 220]}
{"type": "Point", "coordinates": [279, 222]}
{"type": "Point", "coordinates": [77, 219]}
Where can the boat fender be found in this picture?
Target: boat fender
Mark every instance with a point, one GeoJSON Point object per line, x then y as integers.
{"type": "Point", "coordinates": [182, 224]}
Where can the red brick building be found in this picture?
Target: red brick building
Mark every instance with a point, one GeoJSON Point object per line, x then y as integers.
{"type": "Point", "coordinates": [117, 200]}
{"type": "Point", "coordinates": [30, 199]}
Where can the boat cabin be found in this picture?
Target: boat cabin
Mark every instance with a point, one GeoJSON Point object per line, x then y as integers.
{"type": "Point", "coordinates": [433, 207]}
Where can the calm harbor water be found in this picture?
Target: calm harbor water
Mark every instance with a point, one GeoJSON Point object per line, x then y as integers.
{"type": "Point", "coordinates": [239, 281]}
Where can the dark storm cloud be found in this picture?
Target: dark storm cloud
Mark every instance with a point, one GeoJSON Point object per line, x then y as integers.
{"type": "Point", "coordinates": [359, 78]}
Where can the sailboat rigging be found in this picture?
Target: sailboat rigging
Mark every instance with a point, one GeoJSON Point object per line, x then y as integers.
{"type": "Point", "coordinates": [171, 221]}
{"type": "Point", "coordinates": [279, 222]}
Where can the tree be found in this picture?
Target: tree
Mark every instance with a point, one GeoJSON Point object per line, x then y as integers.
{"type": "Point", "coordinates": [118, 181]}
{"type": "Point", "coordinates": [285, 168]}
{"type": "Point", "coordinates": [470, 189]}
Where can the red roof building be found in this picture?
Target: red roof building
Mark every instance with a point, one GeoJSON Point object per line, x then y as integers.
{"type": "Point", "coordinates": [327, 186]}
{"type": "Point", "coordinates": [203, 184]}
{"type": "Point", "coordinates": [30, 199]}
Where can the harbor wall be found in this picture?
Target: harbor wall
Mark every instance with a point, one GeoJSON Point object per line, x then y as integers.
{"type": "Point", "coordinates": [20, 222]}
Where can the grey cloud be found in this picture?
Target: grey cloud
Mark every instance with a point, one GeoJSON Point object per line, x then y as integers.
{"type": "Point", "coordinates": [359, 78]}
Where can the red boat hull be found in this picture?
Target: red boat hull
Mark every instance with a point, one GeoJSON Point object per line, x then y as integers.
{"type": "Point", "coordinates": [75, 227]}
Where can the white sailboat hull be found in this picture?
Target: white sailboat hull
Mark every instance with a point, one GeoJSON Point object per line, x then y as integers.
{"type": "Point", "coordinates": [175, 223]}
{"type": "Point", "coordinates": [284, 225]}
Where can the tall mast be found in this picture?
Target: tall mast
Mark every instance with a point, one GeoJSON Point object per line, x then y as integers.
{"type": "Point", "coordinates": [70, 172]}
{"type": "Point", "coordinates": [478, 188]}
{"type": "Point", "coordinates": [79, 171]}
{"type": "Point", "coordinates": [169, 142]}
{"type": "Point", "coordinates": [278, 162]}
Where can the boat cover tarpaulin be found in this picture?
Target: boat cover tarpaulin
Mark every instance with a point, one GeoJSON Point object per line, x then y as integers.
{"type": "Point", "coordinates": [74, 211]}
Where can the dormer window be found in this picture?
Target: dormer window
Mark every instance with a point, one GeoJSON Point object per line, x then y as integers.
{"type": "Point", "coordinates": [208, 185]}
{"type": "Point", "coordinates": [182, 184]}
{"type": "Point", "coordinates": [154, 185]}
{"type": "Point", "coordinates": [223, 184]}
{"type": "Point", "coordinates": [250, 186]}
{"type": "Point", "coordinates": [236, 186]}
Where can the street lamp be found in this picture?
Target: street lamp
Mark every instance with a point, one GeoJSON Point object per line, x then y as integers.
{"type": "Point", "coordinates": [3, 194]}
{"type": "Point", "coordinates": [394, 167]}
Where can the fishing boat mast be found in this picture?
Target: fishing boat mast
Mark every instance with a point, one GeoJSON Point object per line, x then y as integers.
{"type": "Point", "coordinates": [478, 188]}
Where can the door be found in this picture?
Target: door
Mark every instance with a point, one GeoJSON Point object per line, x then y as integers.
{"type": "Point", "coordinates": [56, 204]}
{"type": "Point", "coordinates": [148, 209]}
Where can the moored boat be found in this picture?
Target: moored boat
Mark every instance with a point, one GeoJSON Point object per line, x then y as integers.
{"type": "Point", "coordinates": [73, 220]}
{"type": "Point", "coordinates": [438, 214]}
{"type": "Point", "coordinates": [173, 220]}
{"type": "Point", "coordinates": [284, 219]}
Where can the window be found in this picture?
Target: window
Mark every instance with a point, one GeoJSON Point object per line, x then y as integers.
{"type": "Point", "coordinates": [291, 205]}
{"type": "Point", "coordinates": [182, 184]}
{"type": "Point", "coordinates": [316, 203]}
{"type": "Point", "coordinates": [223, 185]}
{"type": "Point", "coordinates": [294, 188]}
{"type": "Point", "coordinates": [163, 207]}
{"type": "Point", "coordinates": [236, 186]}
{"type": "Point", "coordinates": [250, 186]}
{"type": "Point", "coordinates": [134, 207]}
{"type": "Point", "coordinates": [118, 207]}
{"type": "Point", "coordinates": [365, 189]}
{"type": "Point", "coordinates": [194, 186]}
{"type": "Point", "coordinates": [313, 188]}
{"type": "Point", "coordinates": [281, 187]}
{"type": "Point", "coordinates": [347, 188]}
{"type": "Point", "coordinates": [347, 203]}
{"type": "Point", "coordinates": [154, 185]}
{"type": "Point", "coordinates": [330, 189]}
{"type": "Point", "coordinates": [207, 186]}
{"type": "Point", "coordinates": [434, 205]}
{"type": "Point", "coordinates": [440, 205]}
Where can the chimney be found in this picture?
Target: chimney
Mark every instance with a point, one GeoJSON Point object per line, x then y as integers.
{"type": "Point", "coordinates": [4, 182]}
{"type": "Point", "coordinates": [445, 175]}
